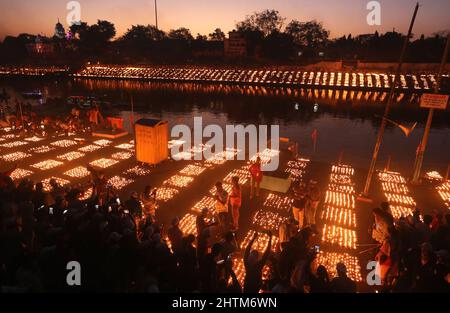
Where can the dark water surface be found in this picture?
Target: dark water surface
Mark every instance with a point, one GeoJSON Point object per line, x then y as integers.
{"type": "Point", "coordinates": [345, 122]}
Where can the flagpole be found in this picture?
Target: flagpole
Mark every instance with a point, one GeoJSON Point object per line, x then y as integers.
{"type": "Point", "coordinates": [132, 114]}
{"type": "Point", "coordinates": [388, 106]}
{"type": "Point", "coordinates": [314, 138]}
{"type": "Point", "coordinates": [315, 144]}
{"type": "Point", "coordinates": [388, 164]}
{"type": "Point", "coordinates": [341, 157]}
{"type": "Point", "coordinates": [423, 146]}
{"type": "Point", "coordinates": [156, 14]}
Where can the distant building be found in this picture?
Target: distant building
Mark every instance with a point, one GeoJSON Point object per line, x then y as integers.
{"type": "Point", "coordinates": [41, 47]}
{"type": "Point", "coordinates": [60, 32]}
{"type": "Point", "coordinates": [365, 37]}
{"type": "Point", "coordinates": [235, 45]}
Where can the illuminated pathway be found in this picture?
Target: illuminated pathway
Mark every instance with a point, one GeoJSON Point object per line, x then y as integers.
{"type": "Point", "coordinates": [313, 79]}
{"type": "Point", "coordinates": [396, 192]}
{"type": "Point", "coordinates": [295, 78]}
{"type": "Point", "coordinates": [338, 235]}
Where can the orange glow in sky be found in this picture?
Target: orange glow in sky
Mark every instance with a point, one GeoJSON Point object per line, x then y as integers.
{"type": "Point", "coordinates": [203, 16]}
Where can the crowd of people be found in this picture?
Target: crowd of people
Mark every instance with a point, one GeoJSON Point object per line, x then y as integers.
{"type": "Point", "coordinates": [413, 251]}
{"type": "Point", "coordinates": [122, 246]}
{"type": "Point", "coordinates": [20, 115]}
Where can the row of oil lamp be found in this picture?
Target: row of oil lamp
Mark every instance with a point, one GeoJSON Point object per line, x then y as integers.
{"type": "Point", "coordinates": [338, 211]}
{"type": "Point", "coordinates": [266, 155]}
{"type": "Point", "coordinates": [205, 202]}
{"type": "Point", "coordinates": [397, 193]}
{"type": "Point", "coordinates": [330, 259]}
{"type": "Point", "coordinates": [242, 174]}
{"type": "Point", "coordinates": [119, 182]}
{"type": "Point", "coordinates": [444, 192]}
{"type": "Point", "coordinates": [239, 270]}
{"type": "Point", "coordinates": [343, 170]}
{"type": "Point", "coordinates": [116, 182]}
{"type": "Point", "coordinates": [192, 170]}
{"type": "Point", "coordinates": [344, 237]}
{"type": "Point", "coordinates": [344, 79]}
{"type": "Point", "coordinates": [338, 215]}
{"type": "Point", "coordinates": [340, 199]}
{"type": "Point", "coordinates": [222, 157]}
{"type": "Point", "coordinates": [268, 220]}
{"type": "Point", "coordinates": [297, 168]}
{"type": "Point", "coordinates": [15, 156]}
{"type": "Point", "coordinates": [32, 71]}
{"type": "Point", "coordinates": [278, 202]}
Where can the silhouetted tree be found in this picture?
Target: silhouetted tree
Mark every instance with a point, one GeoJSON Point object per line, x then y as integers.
{"type": "Point", "coordinates": [14, 48]}
{"type": "Point", "coordinates": [266, 22]}
{"type": "Point", "coordinates": [141, 33]}
{"type": "Point", "coordinates": [201, 37]}
{"type": "Point", "coordinates": [308, 34]}
{"type": "Point", "coordinates": [217, 34]}
{"type": "Point", "coordinates": [79, 30]}
{"type": "Point", "coordinates": [93, 40]}
{"type": "Point", "coordinates": [181, 33]}
{"type": "Point", "coordinates": [278, 46]}
{"type": "Point", "coordinates": [103, 31]}
{"type": "Point", "coordinates": [140, 42]}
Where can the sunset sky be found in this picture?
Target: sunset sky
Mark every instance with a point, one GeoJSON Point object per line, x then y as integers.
{"type": "Point", "coordinates": [202, 16]}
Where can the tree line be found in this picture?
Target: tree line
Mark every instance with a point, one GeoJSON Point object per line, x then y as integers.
{"type": "Point", "coordinates": [267, 34]}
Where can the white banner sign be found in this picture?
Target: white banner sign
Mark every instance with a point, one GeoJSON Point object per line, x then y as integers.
{"type": "Point", "coordinates": [434, 101]}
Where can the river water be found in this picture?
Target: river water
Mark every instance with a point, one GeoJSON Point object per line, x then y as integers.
{"type": "Point", "coordinates": [346, 122]}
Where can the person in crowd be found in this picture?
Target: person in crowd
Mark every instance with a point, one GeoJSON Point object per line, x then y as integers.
{"type": "Point", "coordinates": [209, 269]}
{"type": "Point", "coordinates": [5, 177]}
{"type": "Point", "coordinates": [256, 176]}
{"type": "Point", "coordinates": [99, 185]}
{"type": "Point", "coordinates": [442, 271]}
{"type": "Point", "coordinates": [235, 201]}
{"type": "Point", "coordinates": [438, 220]}
{"type": "Point", "coordinates": [148, 199]}
{"type": "Point", "coordinates": [387, 256]}
{"type": "Point", "coordinates": [320, 281]}
{"type": "Point", "coordinates": [202, 221]}
{"type": "Point", "coordinates": [235, 286]}
{"type": "Point", "coordinates": [188, 261]}
{"type": "Point", "coordinates": [40, 234]}
{"type": "Point", "coordinates": [342, 283]}
{"type": "Point", "coordinates": [221, 204]}
{"type": "Point", "coordinates": [175, 235]}
{"type": "Point", "coordinates": [134, 206]}
{"type": "Point", "coordinates": [288, 229]}
{"type": "Point", "coordinates": [299, 204]}
{"type": "Point", "coordinates": [254, 264]}
{"type": "Point", "coordinates": [39, 197]}
{"type": "Point", "coordinates": [313, 197]}
{"type": "Point", "coordinates": [229, 245]}
{"type": "Point", "coordinates": [56, 190]}
{"type": "Point", "coordinates": [382, 221]}
{"type": "Point", "coordinates": [425, 276]}
{"type": "Point", "coordinates": [95, 117]}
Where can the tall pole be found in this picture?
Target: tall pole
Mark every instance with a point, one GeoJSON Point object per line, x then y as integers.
{"type": "Point", "coordinates": [388, 164]}
{"type": "Point", "coordinates": [388, 106]}
{"type": "Point", "coordinates": [132, 114]}
{"type": "Point", "coordinates": [156, 14]}
{"type": "Point", "coordinates": [423, 145]}
{"type": "Point", "coordinates": [21, 116]}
